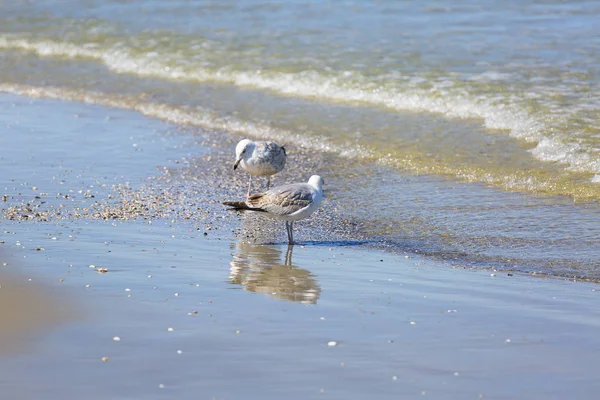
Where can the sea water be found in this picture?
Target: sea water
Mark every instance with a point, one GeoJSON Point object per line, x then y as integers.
{"type": "Point", "coordinates": [473, 125]}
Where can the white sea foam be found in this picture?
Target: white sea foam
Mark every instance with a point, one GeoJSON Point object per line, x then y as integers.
{"type": "Point", "coordinates": [185, 116]}
{"type": "Point", "coordinates": [571, 154]}
{"type": "Point", "coordinates": [206, 119]}
{"type": "Point", "coordinates": [441, 97]}
{"type": "Point", "coordinates": [308, 84]}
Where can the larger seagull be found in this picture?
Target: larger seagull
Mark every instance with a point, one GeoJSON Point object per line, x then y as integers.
{"type": "Point", "coordinates": [289, 203]}
{"type": "Point", "coordinates": [260, 158]}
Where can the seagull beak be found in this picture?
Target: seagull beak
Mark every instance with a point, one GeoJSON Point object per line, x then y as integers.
{"type": "Point", "coordinates": [235, 165]}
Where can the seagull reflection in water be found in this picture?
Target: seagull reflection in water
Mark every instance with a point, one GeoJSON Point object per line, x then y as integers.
{"type": "Point", "coordinates": [261, 269]}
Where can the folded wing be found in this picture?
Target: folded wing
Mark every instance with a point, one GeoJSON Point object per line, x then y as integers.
{"type": "Point", "coordinates": [283, 200]}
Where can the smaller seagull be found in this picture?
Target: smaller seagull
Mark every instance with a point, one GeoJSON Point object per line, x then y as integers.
{"type": "Point", "coordinates": [289, 203]}
{"type": "Point", "coordinates": [259, 158]}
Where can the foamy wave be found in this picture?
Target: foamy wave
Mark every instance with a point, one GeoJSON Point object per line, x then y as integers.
{"type": "Point", "coordinates": [187, 116]}
{"type": "Point", "coordinates": [441, 98]}
{"type": "Point", "coordinates": [571, 154]}
{"type": "Point", "coordinates": [206, 119]}
{"type": "Point", "coordinates": [347, 88]}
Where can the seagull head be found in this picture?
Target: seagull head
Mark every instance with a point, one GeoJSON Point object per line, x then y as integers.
{"type": "Point", "coordinates": [243, 150]}
{"type": "Point", "coordinates": [317, 182]}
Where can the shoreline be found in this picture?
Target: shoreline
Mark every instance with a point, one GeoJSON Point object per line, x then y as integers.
{"type": "Point", "coordinates": [173, 187]}
{"type": "Point", "coordinates": [177, 306]}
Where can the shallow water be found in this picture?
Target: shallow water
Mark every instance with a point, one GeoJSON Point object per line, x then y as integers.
{"type": "Point", "coordinates": [181, 298]}
{"type": "Point", "coordinates": [193, 319]}
{"type": "Point", "coordinates": [476, 125]}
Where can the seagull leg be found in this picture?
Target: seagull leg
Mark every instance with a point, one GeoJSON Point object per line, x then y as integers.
{"type": "Point", "coordinates": [268, 182]}
{"type": "Point", "coordinates": [291, 232]}
{"type": "Point", "coordinates": [288, 228]}
{"type": "Point", "coordinates": [249, 186]}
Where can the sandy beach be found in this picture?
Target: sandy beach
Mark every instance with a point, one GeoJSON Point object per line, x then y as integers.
{"type": "Point", "coordinates": [179, 298]}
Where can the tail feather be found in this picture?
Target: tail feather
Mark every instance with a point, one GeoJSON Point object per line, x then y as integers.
{"type": "Point", "coordinates": [240, 205]}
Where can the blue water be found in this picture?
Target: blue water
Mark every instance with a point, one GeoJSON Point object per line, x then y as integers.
{"type": "Point", "coordinates": [483, 115]}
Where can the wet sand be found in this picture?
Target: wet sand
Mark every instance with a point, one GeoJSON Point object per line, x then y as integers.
{"type": "Point", "coordinates": [340, 322]}
{"type": "Point", "coordinates": [27, 307]}
{"type": "Point", "coordinates": [183, 299]}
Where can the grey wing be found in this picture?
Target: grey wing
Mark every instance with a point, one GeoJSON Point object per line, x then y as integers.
{"type": "Point", "coordinates": [287, 199]}
{"type": "Point", "coordinates": [275, 153]}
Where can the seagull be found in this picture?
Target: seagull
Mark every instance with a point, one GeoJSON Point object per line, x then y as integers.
{"type": "Point", "coordinates": [260, 158]}
{"type": "Point", "coordinates": [289, 203]}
